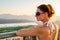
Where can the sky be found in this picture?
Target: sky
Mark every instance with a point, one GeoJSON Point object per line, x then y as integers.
{"type": "Point", "coordinates": [26, 7]}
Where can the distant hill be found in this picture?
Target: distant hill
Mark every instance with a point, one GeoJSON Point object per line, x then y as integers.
{"type": "Point", "coordinates": [56, 19]}
{"type": "Point", "coordinates": [8, 18]}
{"type": "Point", "coordinates": [14, 21]}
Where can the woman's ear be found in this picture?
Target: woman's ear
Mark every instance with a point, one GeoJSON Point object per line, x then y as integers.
{"type": "Point", "coordinates": [46, 14]}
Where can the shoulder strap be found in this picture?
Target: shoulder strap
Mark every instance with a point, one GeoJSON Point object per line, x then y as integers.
{"type": "Point", "coordinates": [56, 31]}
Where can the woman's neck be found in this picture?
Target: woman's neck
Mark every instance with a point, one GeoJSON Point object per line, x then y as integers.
{"type": "Point", "coordinates": [45, 20]}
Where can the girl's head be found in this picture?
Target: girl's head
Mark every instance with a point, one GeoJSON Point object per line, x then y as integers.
{"type": "Point", "coordinates": [44, 12]}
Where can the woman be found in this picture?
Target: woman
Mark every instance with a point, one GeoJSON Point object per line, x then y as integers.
{"type": "Point", "coordinates": [48, 31]}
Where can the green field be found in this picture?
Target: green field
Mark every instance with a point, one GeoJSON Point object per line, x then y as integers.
{"type": "Point", "coordinates": [15, 28]}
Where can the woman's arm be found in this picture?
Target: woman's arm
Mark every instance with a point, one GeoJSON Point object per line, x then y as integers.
{"type": "Point", "coordinates": [27, 32]}
{"type": "Point", "coordinates": [34, 31]}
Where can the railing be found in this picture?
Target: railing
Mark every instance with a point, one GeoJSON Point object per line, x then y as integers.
{"type": "Point", "coordinates": [7, 34]}
{"type": "Point", "coordinates": [12, 36]}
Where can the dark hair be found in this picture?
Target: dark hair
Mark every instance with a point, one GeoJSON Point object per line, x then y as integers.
{"type": "Point", "coordinates": [47, 8]}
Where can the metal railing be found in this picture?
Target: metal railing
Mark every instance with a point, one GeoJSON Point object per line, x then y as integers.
{"type": "Point", "coordinates": [7, 34]}
{"type": "Point", "coordinates": [10, 36]}
{"type": "Point", "coordinates": [13, 36]}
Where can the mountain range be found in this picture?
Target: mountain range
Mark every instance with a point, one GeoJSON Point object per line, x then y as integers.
{"type": "Point", "coordinates": [8, 18]}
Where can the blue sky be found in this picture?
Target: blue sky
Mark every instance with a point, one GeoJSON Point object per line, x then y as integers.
{"type": "Point", "coordinates": [26, 7]}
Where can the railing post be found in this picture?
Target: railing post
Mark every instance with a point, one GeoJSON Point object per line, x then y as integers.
{"type": "Point", "coordinates": [29, 38]}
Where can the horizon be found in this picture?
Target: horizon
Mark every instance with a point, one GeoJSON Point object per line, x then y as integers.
{"type": "Point", "coordinates": [23, 15]}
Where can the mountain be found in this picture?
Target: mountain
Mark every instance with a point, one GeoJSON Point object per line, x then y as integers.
{"type": "Point", "coordinates": [8, 18]}
{"type": "Point", "coordinates": [56, 19]}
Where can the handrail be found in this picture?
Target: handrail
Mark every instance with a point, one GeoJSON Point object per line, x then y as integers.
{"type": "Point", "coordinates": [11, 34]}
{"type": "Point", "coordinates": [7, 34]}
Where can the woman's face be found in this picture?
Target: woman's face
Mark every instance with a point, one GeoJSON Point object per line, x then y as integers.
{"type": "Point", "coordinates": [42, 15]}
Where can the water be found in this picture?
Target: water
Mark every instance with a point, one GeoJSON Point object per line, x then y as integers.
{"type": "Point", "coordinates": [17, 24]}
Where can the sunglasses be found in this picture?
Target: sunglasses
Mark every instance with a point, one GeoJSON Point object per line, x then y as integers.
{"type": "Point", "coordinates": [37, 14]}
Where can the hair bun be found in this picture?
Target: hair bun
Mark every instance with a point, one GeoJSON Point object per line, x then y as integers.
{"type": "Point", "coordinates": [50, 8]}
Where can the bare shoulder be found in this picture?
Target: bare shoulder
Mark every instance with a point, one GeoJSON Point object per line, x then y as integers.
{"type": "Point", "coordinates": [42, 28]}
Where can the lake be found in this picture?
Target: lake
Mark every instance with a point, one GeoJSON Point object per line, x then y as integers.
{"type": "Point", "coordinates": [17, 24]}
